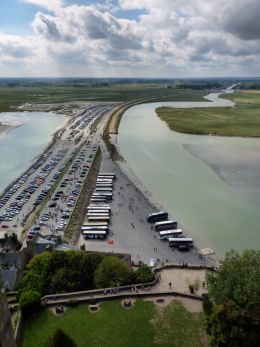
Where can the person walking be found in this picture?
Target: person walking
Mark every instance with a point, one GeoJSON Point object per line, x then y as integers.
{"type": "Point", "coordinates": [170, 285]}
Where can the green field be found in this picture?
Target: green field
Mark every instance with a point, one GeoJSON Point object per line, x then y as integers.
{"type": "Point", "coordinates": [115, 326]}
{"type": "Point", "coordinates": [241, 120]}
{"type": "Point", "coordinates": [54, 93]}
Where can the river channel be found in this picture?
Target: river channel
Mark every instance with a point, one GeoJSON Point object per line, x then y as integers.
{"type": "Point", "coordinates": [21, 145]}
{"type": "Point", "coordinates": [209, 183]}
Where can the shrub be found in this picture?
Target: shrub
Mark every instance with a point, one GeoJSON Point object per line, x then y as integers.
{"type": "Point", "coordinates": [144, 274]}
{"type": "Point", "coordinates": [29, 301]}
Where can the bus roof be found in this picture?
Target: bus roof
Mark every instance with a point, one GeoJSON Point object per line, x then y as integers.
{"type": "Point", "coordinates": [96, 232]}
{"type": "Point", "coordinates": [172, 231]}
{"type": "Point", "coordinates": [180, 239]}
{"type": "Point", "coordinates": [165, 222]}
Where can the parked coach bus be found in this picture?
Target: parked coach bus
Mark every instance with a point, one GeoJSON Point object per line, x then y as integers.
{"type": "Point", "coordinates": [157, 216]}
{"type": "Point", "coordinates": [165, 225]}
{"type": "Point", "coordinates": [98, 218]}
{"type": "Point", "coordinates": [166, 234]}
{"type": "Point", "coordinates": [94, 228]}
{"type": "Point", "coordinates": [112, 174]}
{"type": "Point", "coordinates": [95, 234]}
{"type": "Point", "coordinates": [180, 241]}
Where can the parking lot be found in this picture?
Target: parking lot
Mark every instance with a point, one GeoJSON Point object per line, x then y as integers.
{"type": "Point", "coordinates": [30, 190]}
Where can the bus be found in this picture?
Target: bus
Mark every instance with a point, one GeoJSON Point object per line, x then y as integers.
{"type": "Point", "coordinates": [98, 200]}
{"type": "Point", "coordinates": [101, 224]}
{"type": "Point", "coordinates": [157, 216]}
{"type": "Point", "coordinates": [165, 225]}
{"type": "Point", "coordinates": [96, 195]}
{"type": "Point", "coordinates": [99, 206]}
{"type": "Point", "coordinates": [95, 234]}
{"type": "Point", "coordinates": [90, 208]}
{"type": "Point", "coordinates": [97, 214]}
{"type": "Point", "coordinates": [105, 180]}
{"type": "Point", "coordinates": [106, 185]}
{"type": "Point", "coordinates": [94, 227]}
{"type": "Point", "coordinates": [180, 241]}
{"type": "Point", "coordinates": [112, 174]}
{"type": "Point", "coordinates": [98, 218]}
{"type": "Point", "coordinates": [103, 189]}
{"type": "Point", "coordinates": [166, 234]}
{"type": "Point", "coordinates": [98, 210]}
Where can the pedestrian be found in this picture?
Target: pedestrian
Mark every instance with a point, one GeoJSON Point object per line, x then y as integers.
{"type": "Point", "coordinates": [170, 285]}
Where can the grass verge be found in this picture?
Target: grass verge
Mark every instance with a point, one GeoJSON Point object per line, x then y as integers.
{"type": "Point", "coordinates": [80, 210]}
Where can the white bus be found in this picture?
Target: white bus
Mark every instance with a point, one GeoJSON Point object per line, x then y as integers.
{"type": "Point", "coordinates": [95, 234]}
{"type": "Point", "coordinates": [165, 225]}
{"type": "Point", "coordinates": [101, 185]}
{"type": "Point", "coordinates": [166, 234]}
{"type": "Point", "coordinates": [96, 195]}
{"type": "Point", "coordinates": [96, 218]}
{"type": "Point", "coordinates": [101, 224]}
{"type": "Point", "coordinates": [99, 211]}
{"type": "Point", "coordinates": [180, 241]}
{"type": "Point", "coordinates": [94, 227]}
{"type": "Point", "coordinates": [104, 180]}
{"type": "Point", "coordinates": [112, 174]}
{"type": "Point", "coordinates": [103, 189]}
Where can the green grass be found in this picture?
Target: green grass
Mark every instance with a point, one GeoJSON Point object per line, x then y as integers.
{"type": "Point", "coordinates": [115, 326]}
{"type": "Point", "coordinates": [242, 120]}
{"type": "Point", "coordinates": [52, 93]}
{"type": "Point", "coordinates": [177, 327]}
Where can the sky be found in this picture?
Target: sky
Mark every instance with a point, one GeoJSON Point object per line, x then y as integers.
{"type": "Point", "coordinates": [129, 38]}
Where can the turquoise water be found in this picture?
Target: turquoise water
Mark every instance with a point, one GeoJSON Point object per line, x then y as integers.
{"type": "Point", "coordinates": [190, 187]}
{"type": "Point", "coordinates": [21, 145]}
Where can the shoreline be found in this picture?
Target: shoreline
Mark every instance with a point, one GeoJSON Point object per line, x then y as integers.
{"type": "Point", "coordinates": [8, 129]}
{"type": "Point", "coordinates": [33, 161]}
{"type": "Point", "coordinates": [125, 168]}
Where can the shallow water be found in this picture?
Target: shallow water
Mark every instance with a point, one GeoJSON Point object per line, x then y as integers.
{"type": "Point", "coordinates": [21, 145]}
{"type": "Point", "coordinates": [210, 184]}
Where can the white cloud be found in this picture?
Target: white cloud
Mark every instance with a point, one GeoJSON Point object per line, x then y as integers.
{"type": "Point", "coordinates": [170, 38]}
{"type": "Point", "coordinates": [48, 4]}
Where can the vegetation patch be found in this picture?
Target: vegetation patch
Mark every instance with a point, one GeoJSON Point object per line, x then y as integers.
{"type": "Point", "coordinates": [62, 272]}
{"type": "Point", "coordinates": [241, 120]}
{"type": "Point", "coordinates": [115, 326]}
{"type": "Point", "coordinates": [175, 326]}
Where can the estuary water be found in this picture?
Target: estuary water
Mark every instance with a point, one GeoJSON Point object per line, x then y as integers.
{"type": "Point", "coordinates": [209, 183]}
{"type": "Point", "coordinates": [21, 145]}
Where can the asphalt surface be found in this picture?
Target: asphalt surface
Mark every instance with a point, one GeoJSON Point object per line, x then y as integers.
{"type": "Point", "coordinates": [128, 227]}
{"type": "Point", "coordinates": [47, 170]}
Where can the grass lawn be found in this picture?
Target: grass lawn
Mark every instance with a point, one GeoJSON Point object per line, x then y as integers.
{"type": "Point", "coordinates": [241, 120]}
{"type": "Point", "coordinates": [115, 326]}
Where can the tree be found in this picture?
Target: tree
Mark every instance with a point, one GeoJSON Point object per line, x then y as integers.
{"type": "Point", "coordinates": [234, 292]}
{"type": "Point", "coordinates": [144, 274]}
{"type": "Point", "coordinates": [29, 301]}
{"type": "Point", "coordinates": [112, 271]}
{"type": "Point", "coordinates": [60, 338]}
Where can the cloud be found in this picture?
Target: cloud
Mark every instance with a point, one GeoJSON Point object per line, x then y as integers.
{"type": "Point", "coordinates": [14, 47]}
{"type": "Point", "coordinates": [48, 4]}
{"type": "Point", "coordinates": [169, 38]}
{"type": "Point", "coordinates": [242, 19]}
